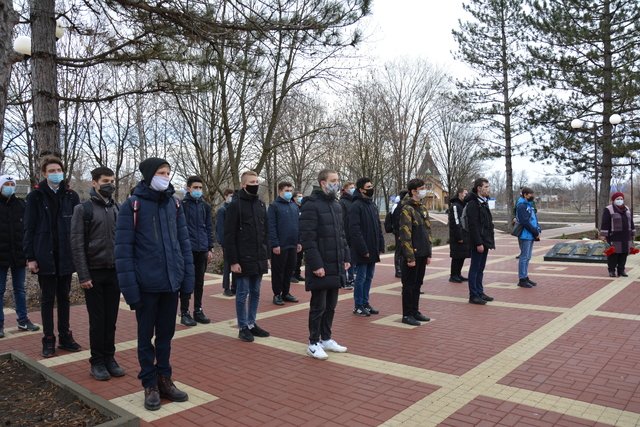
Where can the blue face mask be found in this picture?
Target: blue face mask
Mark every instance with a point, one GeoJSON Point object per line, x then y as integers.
{"type": "Point", "coordinates": [55, 178]}
{"type": "Point", "coordinates": [352, 190]}
{"type": "Point", "coordinates": [299, 199]}
{"type": "Point", "coordinates": [196, 194]}
{"type": "Point", "coordinates": [8, 191]}
{"type": "Point", "coordinates": [287, 195]}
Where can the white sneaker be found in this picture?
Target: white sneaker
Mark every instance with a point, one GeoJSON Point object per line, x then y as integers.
{"type": "Point", "coordinates": [317, 352]}
{"type": "Point", "coordinates": [332, 345]}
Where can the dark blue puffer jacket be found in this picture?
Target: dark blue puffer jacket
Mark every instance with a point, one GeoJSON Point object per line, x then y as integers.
{"type": "Point", "coordinates": [153, 255]}
{"type": "Point", "coordinates": [198, 215]}
{"type": "Point", "coordinates": [283, 224]}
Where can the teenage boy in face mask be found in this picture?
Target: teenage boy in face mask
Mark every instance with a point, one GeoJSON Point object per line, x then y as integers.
{"type": "Point", "coordinates": [154, 261]}
{"type": "Point", "coordinates": [198, 215]}
{"type": "Point", "coordinates": [228, 285]}
{"type": "Point", "coordinates": [246, 241]}
{"type": "Point", "coordinates": [93, 229]}
{"type": "Point", "coordinates": [526, 215]}
{"type": "Point", "coordinates": [11, 253]}
{"type": "Point", "coordinates": [297, 274]}
{"type": "Point", "coordinates": [47, 246]}
{"type": "Point", "coordinates": [283, 239]}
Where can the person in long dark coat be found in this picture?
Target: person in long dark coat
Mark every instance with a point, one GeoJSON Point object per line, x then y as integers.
{"type": "Point", "coordinates": [619, 231]}
{"type": "Point", "coordinates": [458, 241]}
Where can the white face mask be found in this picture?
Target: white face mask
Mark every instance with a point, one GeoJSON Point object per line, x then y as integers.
{"type": "Point", "coordinates": [160, 183]}
{"type": "Point", "coordinates": [422, 193]}
{"type": "Point", "coordinates": [229, 199]}
{"type": "Point", "coordinates": [619, 202]}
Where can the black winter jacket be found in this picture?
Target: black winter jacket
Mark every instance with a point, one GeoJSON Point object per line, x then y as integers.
{"type": "Point", "coordinates": [47, 228]}
{"type": "Point", "coordinates": [346, 202]}
{"type": "Point", "coordinates": [480, 222]}
{"type": "Point", "coordinates": [456, 233]}
{"type": "Point", "coordinates": [365, 232]}
{"type": "Point", "coordinates": [99, 253]}
{"type": "Point", "coordinates": [322, 236]}
{"type": "Point", "coordinates": [197, 212]}
{"type": "Point", "coordinates": [246, 234]}
{"type": "Point", "coordinates": [11, 232]}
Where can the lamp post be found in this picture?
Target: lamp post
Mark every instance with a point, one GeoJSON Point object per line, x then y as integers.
{"type": "Point", "coordinates": [578, 124]}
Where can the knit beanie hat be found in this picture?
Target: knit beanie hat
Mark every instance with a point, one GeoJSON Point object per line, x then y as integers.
{"type": "Point", "coordinates": [616, 195]}
{"type": "Point", "coordinates": [6, 178]}
{"type": "Point", "coordinates": [150, 166]}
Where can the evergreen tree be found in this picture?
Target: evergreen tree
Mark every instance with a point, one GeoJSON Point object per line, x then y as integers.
{"type": "Point", "coordinates": [492, 44]}
{"type": "Point", "coordinates": [586, 61]}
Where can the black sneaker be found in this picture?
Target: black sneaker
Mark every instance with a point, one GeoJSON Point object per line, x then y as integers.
{"type": "Point", "coordinates": [27, 325]}
{"type": "Point", "coordinates": [293, 279]}
{"type": "Point", "coordinates": [228, 293]}
{"type": "Point", "coordinates": [68, 343]}
{"type": "Point", "coordinates": [245, 335]}
{"type": "Point", "coordinates": [531, 282]}
{"type": "Point", "coordinates": [348, 286]}
{"type": "Point", "coordinates": [421, 317]}
{"type": "Point", "coordinates": [409, 320]}
{"type": "Point", "coordinates": [486, 297]}
{"type": "Point", "coordinates": [370, 309]}
{"type": "Point", "coordinates": [398, 275]}
{"type": "Point", "coordinates": [464, 279]}
{"type": "Point", "coordinates": [152, 400]}
{"type": "Point", "coordinates": [621, 274]}
{"type": "Point", "coordinates": [114, 369]}
{"type": "Point", "coordinates": [361, 311]}
{"type": "Point", "coordinates": [289, 298]}
{"type": "Point", "coordinates": [99, 372]}
{"type": "Point", "coordinates": [198, 316]}
{"type": "Point", "coordinates": [477, 300]}
{"type": "Point", "coordinates": [187, 320]}
{"type": "Point", "coordinates": [612, 274]}
{"type": "Point", "coordinates": [455, 279]}
{"type": "Point", "coordinates": [300, 277]}
{"type": "Point", "coordinates": [257, 331]}
{"type": "Point", "coordinates": [48, 346]}
{"type": "Point", "coordinates": [524, 284]}
{"type": "Point", "coordinates": [277, 300]}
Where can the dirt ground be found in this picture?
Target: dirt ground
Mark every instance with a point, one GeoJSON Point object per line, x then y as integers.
{"type": "Point", "coordinates": [33, 401]}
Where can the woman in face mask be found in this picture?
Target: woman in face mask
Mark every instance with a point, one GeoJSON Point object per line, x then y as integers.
{"type": "Point", "coordinates": [618, 230]}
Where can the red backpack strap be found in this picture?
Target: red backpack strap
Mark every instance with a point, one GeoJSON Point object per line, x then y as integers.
{"type": "Point", "coordinates": [135, 205]}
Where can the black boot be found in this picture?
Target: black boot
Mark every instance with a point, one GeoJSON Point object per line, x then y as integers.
{"type": "Point", "coordinates": [99, 372]}
{"type": "Point", "coordinates": [198, 316]}
{"type": "Point", "coordinates": [68, 343]}
{"type": "Point", "coordinates": [152, 398]}
{"type": "Point", "coordinates": [531, 282]}
{"type": "Point", "coordinates": [169, 391]}
{"type": "Point", "coordinates": [524, 283]}
{"type": "Point", "coordinates": [48, 346]}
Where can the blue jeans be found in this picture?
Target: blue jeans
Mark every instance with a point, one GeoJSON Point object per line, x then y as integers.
{"type": "Point", "coordinates": [362, 285]}
{"type": "Point", "coordinates": [247, 287]}
{"type": "Point", "coordinates": [476, 272]}
{"type": "Point", "coordinates": [526, 247]}
{"type": "Point", "coordinates": [19, 294]}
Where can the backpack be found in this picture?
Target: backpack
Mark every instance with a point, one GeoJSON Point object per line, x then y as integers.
{"type": "Point", "coordinates": [464, 220]}
{"type": "Point", "coordinates": [388, 222]}
{"type": "Point", "coordinates": [135, 205]}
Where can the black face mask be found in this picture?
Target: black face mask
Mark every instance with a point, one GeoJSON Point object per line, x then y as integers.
{"type": "Point", "coordinates": [369, 192]}
{"type": "Point", "coordinates": [530, 198]}
{"type": "Point", "coordinates": [106, 190]}
{"type": "Point", "coordinates": [252, 189]}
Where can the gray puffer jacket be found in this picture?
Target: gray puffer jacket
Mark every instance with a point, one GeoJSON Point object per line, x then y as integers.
{"type": "Point", "coordinates": [98, 252]}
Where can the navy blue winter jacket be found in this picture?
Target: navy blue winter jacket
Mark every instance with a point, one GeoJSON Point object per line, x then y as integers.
{"type": "Point", "coordinates": [198, 215]}
{"type": "Point", "coordinates": [153, 255]}
{"type": "Point", "coordinates": [47, 228]}
{"type": "Point", "coordinates": [220, 216]}
{"type": "Point", "coordinates": [283, 224]}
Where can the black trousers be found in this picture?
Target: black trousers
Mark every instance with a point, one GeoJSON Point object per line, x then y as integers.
{"type": "Point", "coordinates": [412, 278]}
{"type": "Point", "coordinates": [617, 262]}
{"type": "Point", "coordinates": [103, 303]}
{"type": "Point", "coordinates": [156, 315]}
{"type": "Point", "coordinates": [456, 266]}
{"type": "Point", "coordinates": [226, 274]}
{"type": "Point", "coordinates": [298, 270]}
{"type": "Point", "coordinates": [54, 288]}
{"type": "Point", "coordinates": [282, 267]}
{"type": "Point", "coordinates": [397, 257]}
{"type": "Point", "coordinates": [200, 267]}
{"type": "Point", "coordinates": [322, 307]}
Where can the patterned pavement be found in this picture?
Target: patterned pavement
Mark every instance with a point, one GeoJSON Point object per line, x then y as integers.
{"type": "Point", "coordinates": [563, 353]}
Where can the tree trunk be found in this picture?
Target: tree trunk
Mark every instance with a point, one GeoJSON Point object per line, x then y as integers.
{"type": "Point", "coordinates": [507, 124]}
{"type": "Point", "coordinates": [44, 76]}
{"type": "Point", "coordinates": [8, 19]}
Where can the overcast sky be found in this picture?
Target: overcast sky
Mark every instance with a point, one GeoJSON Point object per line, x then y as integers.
{"type": "Point", "coordinates": [422, 29]}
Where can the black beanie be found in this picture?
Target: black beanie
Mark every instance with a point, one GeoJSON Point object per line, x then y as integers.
{"type": "Point", "coordinates": [150, 166]}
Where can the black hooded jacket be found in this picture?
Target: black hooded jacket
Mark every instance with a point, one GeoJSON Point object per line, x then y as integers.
{"type": "Point", "coordinates": [11, 232]}
{"type": "Point", "coordinates": [480, 222]}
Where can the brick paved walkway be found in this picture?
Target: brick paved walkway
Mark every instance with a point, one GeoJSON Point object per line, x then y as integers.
{"type": "Point", "coordinates": [563, 353]}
